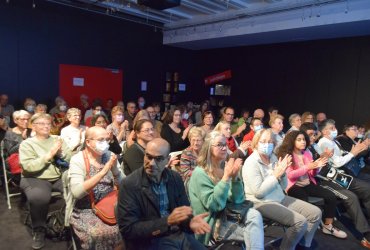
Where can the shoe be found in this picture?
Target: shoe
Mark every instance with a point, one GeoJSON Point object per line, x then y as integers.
{"type": "Point", "coordinates": [365, 243]}
{"type": "Point", "coordinates": [330, 229]}
{"type": "Point", "coordinates": [38, 239]}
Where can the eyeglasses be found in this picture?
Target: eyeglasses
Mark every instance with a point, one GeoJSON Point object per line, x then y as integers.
{"type": "Point", "coordinates": [43, 124]}
{"type": "Point", "coordinates": [23, 119]}
{"type": "Point", "coordinates": [220, 146]}
{"type": "Point", "coordinates": [147, 130]}
{"type": "Point", "coordinates": [100, 139]}
{"type": "Point", "coordinates": [157, 159]}
{"type": "Point", "coordinates": [229, 114]}
{"type": "Point", "coordinates": [312, 135]}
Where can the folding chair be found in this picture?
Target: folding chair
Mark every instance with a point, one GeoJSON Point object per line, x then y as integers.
{"type": "Point", "coordinates": [6, 180]}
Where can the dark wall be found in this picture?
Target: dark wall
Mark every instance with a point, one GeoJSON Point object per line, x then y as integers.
{"type": "Point", "coordinates": [331, 76]}
{"type": "Point", "coordinates": [34, 41]}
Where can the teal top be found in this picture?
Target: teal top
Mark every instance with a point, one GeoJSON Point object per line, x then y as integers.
{"type": "Point", "coordinates": [206, 196]}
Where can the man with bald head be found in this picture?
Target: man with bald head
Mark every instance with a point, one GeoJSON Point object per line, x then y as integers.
{"type": "Point", "coordinates": [153, 208]}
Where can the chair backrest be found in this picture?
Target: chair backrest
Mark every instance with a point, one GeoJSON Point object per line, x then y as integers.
{"type": "Point", "coordinates": [65, 185]}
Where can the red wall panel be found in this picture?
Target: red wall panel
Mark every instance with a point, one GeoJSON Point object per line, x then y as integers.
{"type": "Point", "coordinates": [103, 83]}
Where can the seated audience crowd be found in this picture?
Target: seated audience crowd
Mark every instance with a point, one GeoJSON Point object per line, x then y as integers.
{"type": "Point", "coordinates": [123, 190]}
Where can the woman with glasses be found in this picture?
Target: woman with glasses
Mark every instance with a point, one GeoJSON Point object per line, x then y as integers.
{"type": "Point", "coordinates": [41, 174]}
{"type": "Point", "coordinates": [233, 148]}
{"type": "Point", "coordinates": [264, 183]}
{"type": "Point", "coordinates": [301, 178]}
{"type": "Point", "coordinates": [207, 121]}
{"type": "Point", "coordinates": [102, 121]}
{"type": "Point", "coordinates": [214, 183]}
{"type": "Point", "coordinates": [93, 173]}
{"type": "Point", "coordinates": [189, 156]}
{"type": "Point", "coordinates": [134, 155]}
{"type": "Point", "coordinates": [173, 132]}
{"type": "Point", "coordinates": [74, 133]}
{"type": "Point", "coordinates": [13, 137]}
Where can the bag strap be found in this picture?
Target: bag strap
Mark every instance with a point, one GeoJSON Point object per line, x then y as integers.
{"type": "Point", "coordinates": [87, 165]}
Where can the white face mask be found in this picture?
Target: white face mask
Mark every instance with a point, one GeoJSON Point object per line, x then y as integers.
{"type": "Point", "coordinates": [63, 107]}
{"type": "Point", "coordinates": [98, 112]}
{"type": "Point", "coordinates": [333, 134]}
{"type": "Point", "coordinates": [265, 148]}
{"type": "Point", "coordinates": [360, 136]}
{"type": "Point", "coordinates": [185, 116]}
{"type": "Point", "coordinates": [141, 104]}
{"type": "Point", "coordinates": [101, 147]}
{"type": "Point", "coordinates": [257, 128]}
{"type": "Point", "coordinates": [30, 108]}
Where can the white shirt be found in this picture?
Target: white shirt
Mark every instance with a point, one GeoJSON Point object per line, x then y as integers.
{"type": "Point", "coordinates": [71, 136]}
{"type": "Point", "coordinates": [337, 160]}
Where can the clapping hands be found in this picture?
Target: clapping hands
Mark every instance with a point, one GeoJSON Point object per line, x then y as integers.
{"type": "Point", "coordinates": [282, 165]}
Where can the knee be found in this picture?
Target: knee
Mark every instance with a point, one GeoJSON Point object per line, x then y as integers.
{"type": "Point", "coordinates": [352, 199]}
{"type": "Point", "coordinates": [39, 200]}
{"type": "Point", "coordinates": [331, 199]}
{"type": "Point", "coordinates": [255, 217]}
{"type": "Point", "coordinates": [301, 223]}
{"type": "Point", "coordinates": [315, 214]}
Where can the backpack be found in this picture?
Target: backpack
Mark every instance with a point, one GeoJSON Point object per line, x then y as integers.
{"type": "Point", "coordinates": [55, 227]}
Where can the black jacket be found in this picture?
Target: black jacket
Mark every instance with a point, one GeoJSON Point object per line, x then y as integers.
{"type": "Point", "coordinates": [133, 158]}
{"type": "Point", "coordinates": [346, 143]}
{"type": "Point", "coordinates": [138, 213]}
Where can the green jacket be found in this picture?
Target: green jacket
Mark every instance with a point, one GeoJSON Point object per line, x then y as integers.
{"type": "Point", "coordinates": [206, 196]}
{"type": "Point", "coordinates": [32, 154]}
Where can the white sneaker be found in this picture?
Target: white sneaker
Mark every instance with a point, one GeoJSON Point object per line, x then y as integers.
{"type": "Point", "coordinates": [330, 229]}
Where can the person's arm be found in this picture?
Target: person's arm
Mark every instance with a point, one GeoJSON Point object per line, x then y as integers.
{"type": "Point", "coordinates": [186, 167]}
{"type": "Point", "coordinates": [133, 158]}
{"type": "Point", "coordinates": [76, 176]}
{"type": "Point", "coordinates": [32, 161]}
{"type": "Point", "coordinates": [337, 160]}
{"type": "Point", "coordinates": [213, 197]}
{"type": "Point", "coordinates": [114, 146]}
{"type": "Point", "coordinates": [252, 176]}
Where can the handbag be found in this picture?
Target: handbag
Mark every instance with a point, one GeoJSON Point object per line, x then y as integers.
{"type": "Point", "coordinates": [237, 212]}
{"type": "Point", "coordinates": [234, 213]}
{"type": "Point", "coordinates": [14, 164]}
{"type": "Point", "coordinates": [352, 167]}
{"type": "Point", "coordinates": [340, 178]}
{"type": "Point", "coordinates": [104, 209]}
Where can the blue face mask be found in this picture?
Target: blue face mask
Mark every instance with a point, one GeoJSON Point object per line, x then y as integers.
{"type": "Point", "coordinates": [257, 128]}
{"type": "Point", "coordinates": [265, 148]}
{"type": "Point", "coordinates": [333, 134]}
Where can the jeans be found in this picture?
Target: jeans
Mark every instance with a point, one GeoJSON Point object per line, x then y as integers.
{"type": "Point", "coordinates": [301, 218]}
{"type": "Point", "coordinates": [251, 233]}
{"type": "Point", "coordinates": [177, 241]}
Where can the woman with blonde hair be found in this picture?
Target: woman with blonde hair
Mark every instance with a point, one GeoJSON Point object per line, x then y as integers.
{"type": "Point", "coordinates": [264, 184]}
{"type": "Point", "coordinates": [119, 127]}
{"type": "Point", "coordinates": [214, 185]}
{"type": "Point", "coordinates": [233, 148]}
{"type": "Point", "coordinates": [188, 159]}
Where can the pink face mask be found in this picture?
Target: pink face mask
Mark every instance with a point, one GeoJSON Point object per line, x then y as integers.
{"type": "Point", "coordinates": [119, 118]}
